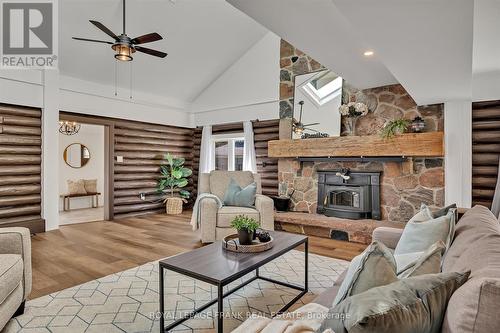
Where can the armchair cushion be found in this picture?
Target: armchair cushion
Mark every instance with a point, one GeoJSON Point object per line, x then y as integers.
{"type": "Point", "coordinates": [241, 197]}
{"type": "Point", "coordinates": [227, 213]}
{"type": "Point", "coordinates": [11, 274]}
{"type": "Point", "coordinates": [219, 180]}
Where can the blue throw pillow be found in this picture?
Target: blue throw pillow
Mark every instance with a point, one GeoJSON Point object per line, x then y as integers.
{"type": "Point", "coordinates": [241, 197]}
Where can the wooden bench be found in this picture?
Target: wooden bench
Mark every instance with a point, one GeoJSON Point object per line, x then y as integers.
{"type": "Point", "coordinates": [67, 197]}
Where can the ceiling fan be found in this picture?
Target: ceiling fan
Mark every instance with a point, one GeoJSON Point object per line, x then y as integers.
{"type": "Point", "coordinates": [123, 45]}
{"type": "Point", "coordinates": [298, 126]}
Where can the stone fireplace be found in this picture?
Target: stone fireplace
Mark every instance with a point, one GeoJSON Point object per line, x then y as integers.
{"type": "Point", "coordinates": [351, 195]}
{"type": "Point", "coordinates": [404, 185]}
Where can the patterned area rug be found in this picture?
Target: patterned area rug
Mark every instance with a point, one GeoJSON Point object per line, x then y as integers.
{"type": "Point", "coordinates": [128, 301]}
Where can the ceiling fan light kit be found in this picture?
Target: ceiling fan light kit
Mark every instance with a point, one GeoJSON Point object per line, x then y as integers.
{"type": "Point", "coordinates": [123, 52]}
{"type": "Point", "coordinates": [123, 45]}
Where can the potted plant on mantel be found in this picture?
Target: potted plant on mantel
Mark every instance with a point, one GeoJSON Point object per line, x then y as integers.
{"type": "Point", "coordinates": [172, 181]}
{"type": "Point", "coordinates": [246, 227]}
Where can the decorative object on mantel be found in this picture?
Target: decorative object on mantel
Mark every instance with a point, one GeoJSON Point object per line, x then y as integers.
{"type": "Point", "coordinates": [353, 111]}
{"type": "Point", "coordinates": [395, 127]}
{"type": "Point", "coordinates": [174, 176]}
{"type": "Point", "coordinates": [69, 127]}
{"type": "Point", "coordinates": [314, 136]}
{"type": "Point", "coordinates": [246, 227]}
{"type": "Point", "coordinates": [417, 125]}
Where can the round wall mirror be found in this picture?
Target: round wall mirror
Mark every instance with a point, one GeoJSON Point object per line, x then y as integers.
{"type": "Point", "coordinates": [76, 155]}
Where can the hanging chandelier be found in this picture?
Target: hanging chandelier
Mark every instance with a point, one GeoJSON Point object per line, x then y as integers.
{"type": "Point", "coordinates": [69, 127]}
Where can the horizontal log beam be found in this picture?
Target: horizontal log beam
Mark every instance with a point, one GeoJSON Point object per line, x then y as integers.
{"type": "Point", "coordinates": [483, 136]}
{"type": "Point", "coordinates": [485, 159]}
{"type": "Point", "coordinates": [20, 130]}
{"type": "Point", "coordinates": [137, 176]}
{"type": "Point", "coordinates": [490, 113]}
{"type": "Point", "coordinates": [19, 200]}
{"type": "Point", "coordinates": [17, 180]}
{"type": "Point", "coordinates": [137, 207]}
{"type": "Point", "coordinates": [20, 211]}
{"type": "Point", "coordinates": [485, 170]}
{"type": "Point", "coordinates": [20, 111]}
{"type": "Point", "coordinates": [429, 144]}
{"type": "Point", "coordinates": [119, 185]}
{"type": "Point", "coordinates": [20, 159]}
{"type": "Point", "coordinates": [148, 134]}
{"type": "Point", "coordinates": [20, 121]}
{"type": "Point", "coordinates": [10, 190]}
{"type": "Point", "coordinates": [20, 140]}
{"type": "Point", "coordinates": [20, 170]}
{"type": "Point", "coordinates": [27, 150]}
{"type": "Point", "coordinates": [484, 182]}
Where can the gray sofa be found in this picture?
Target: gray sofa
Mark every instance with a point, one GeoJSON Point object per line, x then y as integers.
{"type": "Point", "coordinates": [15, 272]}
{"type": "Point", "coordinates": [473, 308]}
{"type": "Point", "coordinates": [215, 222]}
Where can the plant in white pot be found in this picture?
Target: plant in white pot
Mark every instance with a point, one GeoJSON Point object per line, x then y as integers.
{"type": "Point", "coordinates": [173, 180]}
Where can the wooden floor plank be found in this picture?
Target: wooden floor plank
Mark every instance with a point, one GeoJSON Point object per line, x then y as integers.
{"type": "Point", "coordinates": [79, 253]}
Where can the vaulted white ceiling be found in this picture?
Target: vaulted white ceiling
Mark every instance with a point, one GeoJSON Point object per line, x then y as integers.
{"type": "Point", "coordinates": [202, 39]}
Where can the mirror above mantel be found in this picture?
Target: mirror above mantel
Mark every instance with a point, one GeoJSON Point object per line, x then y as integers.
{"type": "Point", "coordinates": [317, 98]}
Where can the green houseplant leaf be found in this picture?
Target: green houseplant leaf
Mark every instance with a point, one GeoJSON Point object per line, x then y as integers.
{"type": "Point", "coordinates": [173, 176]}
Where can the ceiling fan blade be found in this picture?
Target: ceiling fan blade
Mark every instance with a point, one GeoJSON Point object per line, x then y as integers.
{"type": "Point", "coordinates": [151, 52]}
{"type": "Point", "coordinates": [93, 40]}
{"type": "Point", "coordinates": [152, 37]}
{"type": "Point", "coordinates": [103, 28]}
{"type": "Point", "coordinates": [313, 124]}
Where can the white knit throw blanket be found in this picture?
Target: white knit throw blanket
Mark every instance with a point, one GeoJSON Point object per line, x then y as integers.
{"type": "Point", "coordinates": [195, 218]}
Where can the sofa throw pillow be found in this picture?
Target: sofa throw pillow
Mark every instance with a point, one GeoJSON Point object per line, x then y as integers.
{"type": "Point", "coordinates": [76, 187]}
{"type": "Point", "coordinates": [412, 305]}
{"type": "Point", "coordinates": [427, 262]}
{"type": "Point", "coordinates": [372, 268]}
{"type": "Point", "coordinates": [377, 266]}
{"type": "Point", "coordinates": [90, 185]}
{"type": "Point", "coordinates": [240, 197]}
{"type": "Point", "coordinates": [423, 230]}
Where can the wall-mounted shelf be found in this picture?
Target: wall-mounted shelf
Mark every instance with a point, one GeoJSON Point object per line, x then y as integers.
{"type": "Point", "coordinates": [405, 145]}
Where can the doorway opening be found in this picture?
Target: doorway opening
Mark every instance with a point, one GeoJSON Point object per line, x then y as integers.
{"type": "Point", "coordinates": [83, 192]}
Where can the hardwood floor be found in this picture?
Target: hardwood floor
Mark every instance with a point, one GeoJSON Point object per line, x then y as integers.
{"type": "Point", "coordinates": [78, 253]}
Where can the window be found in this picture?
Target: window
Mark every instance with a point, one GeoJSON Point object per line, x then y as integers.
{"type": "Point", "coordinates": [228, 150]}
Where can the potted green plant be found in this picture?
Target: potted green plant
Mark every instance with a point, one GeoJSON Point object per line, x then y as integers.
{"type": "Point", "coordinates": [246, 227]}
{"type": "Point", "coordinates": [172, 180]}
{"type": "Point", "coordinates": [395, 127]}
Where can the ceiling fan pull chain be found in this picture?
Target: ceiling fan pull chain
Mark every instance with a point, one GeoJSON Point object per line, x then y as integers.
{"type": "Point", "coordinates": [130, 79]}
{"type": "Point", "coordinates": [116, 79]}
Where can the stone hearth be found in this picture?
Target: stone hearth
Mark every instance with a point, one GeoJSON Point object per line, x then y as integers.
{"type": "Point", "coordinates": [358, 231]}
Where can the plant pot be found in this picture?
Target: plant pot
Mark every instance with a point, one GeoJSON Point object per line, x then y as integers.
{"type": "Point", "coordinates": [174, 206]}
{"type": "Point", "coordinates": [245, 237]}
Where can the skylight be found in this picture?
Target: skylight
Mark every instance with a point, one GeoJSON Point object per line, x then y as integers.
{"type": "Point", "coordinates": [324, 88]}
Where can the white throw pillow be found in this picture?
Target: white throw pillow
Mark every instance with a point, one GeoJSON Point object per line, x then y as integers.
{"type": "Point", "coordinates": [423, 230]}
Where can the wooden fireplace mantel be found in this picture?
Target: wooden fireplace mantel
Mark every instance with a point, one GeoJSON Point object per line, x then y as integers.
{"type": "Point", "coordinates": [429, 144]}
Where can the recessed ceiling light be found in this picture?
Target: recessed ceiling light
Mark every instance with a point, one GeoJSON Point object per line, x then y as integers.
{"type": "Point", "coordinates": [368, 53]}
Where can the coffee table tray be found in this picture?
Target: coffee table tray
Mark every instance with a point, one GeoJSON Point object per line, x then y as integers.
{"type": "Point", "coordinates": [231, 243]}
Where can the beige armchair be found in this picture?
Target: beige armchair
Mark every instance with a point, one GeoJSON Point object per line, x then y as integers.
{"type": "Point", "coordinates": [214, 222]}
{"type": "Point", "coordinates": [15, 272]}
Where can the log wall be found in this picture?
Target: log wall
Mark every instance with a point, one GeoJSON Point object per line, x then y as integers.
{"type": "Point", "coordinates": [485, 151]}
{"type": "Point", "coordinates": [142, 147]}
{"type": "Point", "coordinates": [20, 167]}
{"type": "Point", "coordinates": [264, 131]}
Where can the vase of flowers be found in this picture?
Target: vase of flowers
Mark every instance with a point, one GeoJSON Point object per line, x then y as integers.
{"type": "Point", "coordinates": [352, 111]}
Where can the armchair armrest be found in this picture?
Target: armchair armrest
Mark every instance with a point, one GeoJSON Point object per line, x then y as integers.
{"type": "Point", "coordinates": [265, 206]}
{"type": "Point", "coordinates": [388, 236]}
{"type": "Point", "coordinates": [208, 219]}
{"type": "Point", "coordinates": [18, 241]}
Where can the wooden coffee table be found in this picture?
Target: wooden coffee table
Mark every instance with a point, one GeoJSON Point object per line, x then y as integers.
{"type": "Point", "coordinates": [214, 265]}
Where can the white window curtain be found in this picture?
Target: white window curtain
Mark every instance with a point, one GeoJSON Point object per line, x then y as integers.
{"type": "Point", "coordinates": [207, 162]}
{"type": "Point", "coordinates": [249, 159]}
